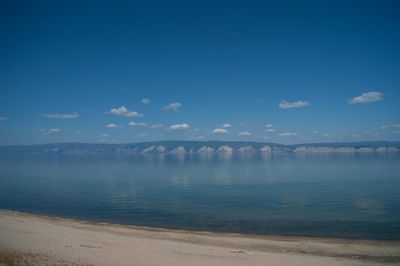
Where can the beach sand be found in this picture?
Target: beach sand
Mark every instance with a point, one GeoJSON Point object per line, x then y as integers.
{"type": "Point", "coordinates": [41, 240]}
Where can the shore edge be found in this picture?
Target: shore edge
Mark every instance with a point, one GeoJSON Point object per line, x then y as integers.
{"type": "Point", "coordinates": [93, 243]}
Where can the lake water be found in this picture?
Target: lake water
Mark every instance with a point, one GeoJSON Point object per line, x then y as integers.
{"type": "Point", "coordinates": [336, 195]}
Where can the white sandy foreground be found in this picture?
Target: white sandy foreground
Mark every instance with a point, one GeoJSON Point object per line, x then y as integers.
{"type": "Point", "coordinates": [55, 241]}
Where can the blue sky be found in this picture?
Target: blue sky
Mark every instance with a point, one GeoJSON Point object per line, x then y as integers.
{"type": "Point", "coordinates": [277, 71]}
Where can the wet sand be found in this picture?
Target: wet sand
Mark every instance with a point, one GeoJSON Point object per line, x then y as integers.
{"type": "Point", "coordinates": [42, 240]}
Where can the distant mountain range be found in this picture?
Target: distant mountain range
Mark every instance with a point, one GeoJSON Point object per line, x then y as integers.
{"type": "Point", "coordinates": [200, 147]}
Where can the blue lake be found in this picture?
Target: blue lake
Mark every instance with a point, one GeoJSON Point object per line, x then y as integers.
{"type": "Point", "coordinates": [335, 195]}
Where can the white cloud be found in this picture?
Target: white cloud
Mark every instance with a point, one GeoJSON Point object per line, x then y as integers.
{"type": "Point", "coordinates": [367, 97]}
{"type": "Point", "coordinates": [244, 134]}
{"type": "Point", "coordinates": [220, 131]}
{"type": "Point", "coordinates": [173, 106]}
{"type": "Point", "coordinates": [142, 135]}
{"type": "Point", "coordinates": [138, 124]}
{"type": "Point", "coordinates": [111, 125]}
{"type": "Point", "coordinates": [269, 128]}
{"type": "Point", "coordinates": [133, 114]}
{"type": "Point", "coordinates": [146, 101]}
{"type": "Point", "coordinates": [315, 132]}
{"type": "Point", "coordinates": [122, 111]}
{"type": "Point", "coordinates": [53, 131]}
{"type": "Point", "coordinates": [288, 134]}
{"type": "Point", "coordinates": [227, 125]}
{"type": "Point", "coordinates": [119, 111]}
{"type": "Point", "coordinates": [179, 126]}
{"type": "Point", "coordinates": [104, 135]}
{"type": "Point", "coordinates": [156, 126]}
{"type": "Point", "coordinates": [62, 116]}
{"type": "Point", "coordinates": [298, 104]}
{"type": "Point", "coordinates": [391, 126]}
{"type": "Point", "coordinates": [3, 118]}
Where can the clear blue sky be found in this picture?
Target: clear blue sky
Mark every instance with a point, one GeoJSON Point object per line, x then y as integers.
{"type": "Point", "coordinates": [311, 70]}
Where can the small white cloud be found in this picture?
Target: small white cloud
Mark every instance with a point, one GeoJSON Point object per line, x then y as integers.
{"type": "Point", "coordinates": [367, 97]}
{"type": "Point", "coordinates": [227, 125]}
{"type": "Point", "coordinates": [269, 126]}
{"type": "Point", "coordinates": [220, 131]}
{"type": "Point", "coordinates": [270, 130]}
{"type": "Point", "coordinates": [173, 106]}
{"type": "Point", "coordinates": [142, 135]}
{"type": "Point", "coordinates": [138, 124]}
{"type": "Point", "coordinates": [298, 104]}
{"type": "Point", "coordinates": [3, 118]}
{"type": "Point", "coordinates": [111, 125]}
{"type": "Point", "coordinates": [119, 111]}
{"type": "Point", "coordinates": [244, 134]}
{"type": "Point", "coordinates": [182, 126]}
{"type": "Point", "coordinates": [288, 134]}
{"type": "Point", "coordinates": [104, 135]}
{"type": "Point", "coordinates": [315, 132]}
{"type": "Point", "coordinates": [62, 116]}
{"type": "Point", "coordinates": [146, 101]}
{"type": "Point", "coordinates": [122, 111]}
{"type": "Point", "coordinates": [53, 131]}
{"type": "Point", "coordinates": [391, 126]}
{"type": "Point", "coordinates": [156, 126]}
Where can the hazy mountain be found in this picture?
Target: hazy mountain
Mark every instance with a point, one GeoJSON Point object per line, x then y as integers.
{"type": "Point", "coordinates": [199, 147]}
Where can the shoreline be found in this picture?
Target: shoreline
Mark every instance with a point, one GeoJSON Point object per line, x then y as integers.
{"type": "Point", "coordinates": [271, 236]}
{"type": "Point", "coordinates": [201, 230]}
{"type": "Point", "coordinates": [76, 242]}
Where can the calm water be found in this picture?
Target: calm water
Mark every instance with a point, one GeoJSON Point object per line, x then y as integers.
{"type": "Point", "coordinates": [340, 195]}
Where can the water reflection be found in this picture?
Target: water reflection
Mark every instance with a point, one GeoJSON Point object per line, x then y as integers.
{"type": "Point", "coordinates": [225, 157]}
{"type": "Point", "coordinates": [180, 180]}
{"type": "Point", "coordinates": [312, 194]}
{"type": "Point", "coordinates": [222, 176]}
{"type": "Point", "coordinates": [370, 205]}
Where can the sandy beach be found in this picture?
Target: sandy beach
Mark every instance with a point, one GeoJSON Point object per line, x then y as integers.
{"type": "Point", "coordinates": [41, 240]}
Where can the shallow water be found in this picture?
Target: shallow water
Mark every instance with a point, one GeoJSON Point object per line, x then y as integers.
{"type": "Point", "coordinates": [339, 195]}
